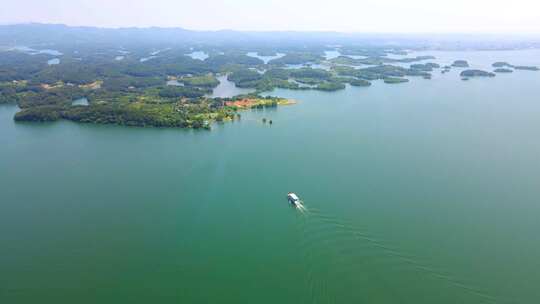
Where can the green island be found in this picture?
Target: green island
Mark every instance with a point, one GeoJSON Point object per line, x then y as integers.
{"type": "Point", "coordinates": [166, 88]}
{"type": "Point", "coordinates": [181, 114]}
{"type": "Point", "coordinates": [502, 64]}
{"type": "Point", "coordinates": [526, 68]}
{"type": "Point", "coordinates": [425, 67]}
{"type": "Point", "coordinates": [145, 84]}
{"type": "Point", "coordinates": [203, 81]}
{"type": "Point", "coordinates": [476, 73]}
{"type": "Point", "coordinates": [376, 60]}
{"type": "Point", "coordinates": [395, 80]}
{"type": "Point", "coordinates": [460, 64]}
{"type": "Point", "coordinates": [358, 82]}
{"type": "Point", "coordinates": [503, 70]}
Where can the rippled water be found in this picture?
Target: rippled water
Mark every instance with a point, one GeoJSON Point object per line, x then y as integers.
{"type": "Point", "coordinates": [422, 192]}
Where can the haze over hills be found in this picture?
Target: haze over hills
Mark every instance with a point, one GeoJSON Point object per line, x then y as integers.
{"type": "Point", "coordinates": [225, 151]}
{"type": "Point", "coordinates": [59, 34]}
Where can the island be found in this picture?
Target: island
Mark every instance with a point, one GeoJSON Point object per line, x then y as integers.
{"type": "Point", "coordinates": [330, 86]}
{"type": "Point", "coordinates": [503, 70]}
{"type": "Point", "coordinates": [181, 114]}
{"type": "Point", "coordinates": [170, 89]}
{"type": "Point", "coordinates": [167, 86]}
{"type": "Point", "coordinates": [526, 68]}
{"type": "Point", "coordinates": [501, 64]}
{"type": "Point", "coordinates": [460, 64]}
{"type": "Point", "coordinates": [378, 60]}
{"type": "Point", "coordinates": [426, 67]}
{"type": "Point", "coordinates": [476, 73]}
{"type": "Point", "coordinates": [394, 80]}
{"type": "Point", "coordinates": [359, 82]}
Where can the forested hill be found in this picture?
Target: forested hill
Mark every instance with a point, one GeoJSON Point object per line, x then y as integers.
{"type": "Point", "coordinates": [58, 34]}
{"type": "Point", "coordinates": [34, 33]}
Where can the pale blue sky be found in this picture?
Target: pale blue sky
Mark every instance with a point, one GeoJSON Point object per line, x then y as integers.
{"type": "Point", "coordinates": [333, 15]}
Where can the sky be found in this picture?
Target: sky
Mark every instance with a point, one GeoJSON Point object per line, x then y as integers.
{"type": "Point", "coordinates": [374, 16]}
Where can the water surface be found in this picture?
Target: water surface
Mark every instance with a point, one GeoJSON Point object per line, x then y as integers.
{"type": "Point", "coordinates": [227, 88]}
{"type": "Point", "coordinates": [80, 102]}
{"type": "Point", "coordinates": [200, 55]}
{"type": "Point", "coordinates": [265, 58]}
{"type": "Point", "coordinates": [423, 192]}
{"type": "Point", "coordinates": [53, 61]}
{"type": "Point", "coordinates": [33, 51]}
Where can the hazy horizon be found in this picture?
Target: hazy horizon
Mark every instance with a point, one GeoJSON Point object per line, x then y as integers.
{"type": "Point", "coordinates": [392, 17]}
{"type": "Point", "coordinates": [443, 34]}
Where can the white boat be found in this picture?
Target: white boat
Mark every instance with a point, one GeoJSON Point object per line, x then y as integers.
{"type": "Point", "coordinates": [293, 199]}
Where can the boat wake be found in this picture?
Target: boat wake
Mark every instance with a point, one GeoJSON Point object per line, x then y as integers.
{"type": "Point", "coordinates": [333, 246]}
{"type": "Point", "coordinates": [300, 206]}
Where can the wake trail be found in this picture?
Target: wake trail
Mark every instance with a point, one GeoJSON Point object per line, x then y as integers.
{"type": "Point", "coordinates": [322, 224]}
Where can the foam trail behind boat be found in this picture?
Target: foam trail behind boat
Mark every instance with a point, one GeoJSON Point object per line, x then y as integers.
{"type": "Point", "coordinates": [301, 207]}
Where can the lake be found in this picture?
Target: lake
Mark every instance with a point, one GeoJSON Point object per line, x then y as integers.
{"type": "Point", "coordinates": [199, 55]}
{"type": "Point", "coordinates": [32, 51]}
{"type": "Point", "coordinates": [80, 102]}
{"type": "Point", "coordinates": [226, 88]}
{"type": "Point", "coordinates": [53, 61]}
{"type": "Point", "coordinates": [265, 59]}
{"type": "Point", "coordinates": [422, 192]}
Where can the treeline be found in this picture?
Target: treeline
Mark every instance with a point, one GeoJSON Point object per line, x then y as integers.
{"type": "Point", "coordinates": [142, 115]}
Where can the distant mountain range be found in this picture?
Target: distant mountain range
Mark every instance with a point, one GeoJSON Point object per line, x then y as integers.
{"type": "Point", "coordinates": [58, 34]}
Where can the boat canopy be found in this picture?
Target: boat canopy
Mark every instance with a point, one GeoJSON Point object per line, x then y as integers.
{"type": "Point", "coordinates": [293, 196]}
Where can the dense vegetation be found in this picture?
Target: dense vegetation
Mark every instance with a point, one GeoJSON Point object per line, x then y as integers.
{"type": "Point", "coordinates": [460, 64]}
{"type": "Point", "coordinates": [297, 58]}
{"type": "Point", "coordinates": [148, 84]}
{"type": "Point", "coordinates": [527, 68]}
{"type": "Point", "coordinates": [476, 73]}
{"type": "Point", "coordinates": [392, 80]}
{"type": "Point", "coordinates": [501, 64]}
{"type": "Point", "coordinates": [204, 81]}
{"type": "Point", "coordinates": [376, 60]}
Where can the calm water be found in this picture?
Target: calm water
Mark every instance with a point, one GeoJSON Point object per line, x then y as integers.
{"type": "Point", "coordinates": [32, 51]}
{"type": "Point", "coordinates": [80, 102]}
{"type": "Point", "coordinates": [424, 192]}
{"type": "Point", "coordinates": [53, 61]}
{"type": "Point", "coordinates": [265, 58]}
{"type": "Point", "coordinates": [227, 88]}
{"type": "Point", "coordinates": [331, 54]}
{"type": "Point", "coordinates": [147, 58]}
{"type": "Point", "coordinates": [200, 55]}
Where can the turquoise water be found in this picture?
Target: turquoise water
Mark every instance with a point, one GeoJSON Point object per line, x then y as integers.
{"type": "Point", "coordinates": [423, 192]}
